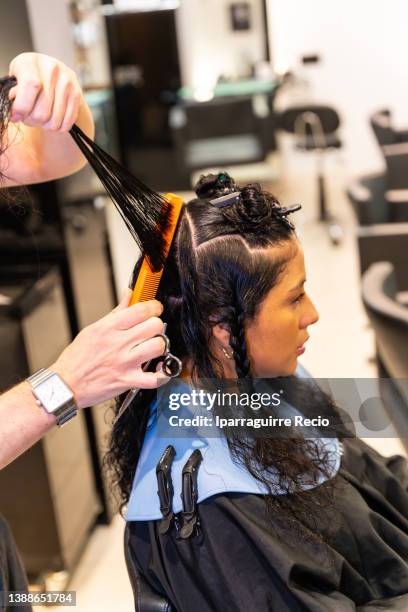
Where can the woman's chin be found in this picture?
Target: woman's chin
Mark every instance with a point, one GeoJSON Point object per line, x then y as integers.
{"type": "Point", "coordinates": [288, 369]}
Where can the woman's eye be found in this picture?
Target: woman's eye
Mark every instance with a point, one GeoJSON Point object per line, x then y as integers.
{"type": "Point", "coordinates": [299, 298]}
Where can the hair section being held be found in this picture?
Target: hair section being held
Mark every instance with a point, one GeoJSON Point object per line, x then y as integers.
{"type": "Point", "coordinates": [145, 212]}
{"type": "Point", "coordinates": [6, 83]}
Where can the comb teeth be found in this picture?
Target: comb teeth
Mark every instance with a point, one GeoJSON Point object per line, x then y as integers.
{"type": "Point", "coordinates": [150, 288]}
{"type": "Point", "coordinates": [146, 285]}
{"type": "Point", "coordinates": [147, 282]}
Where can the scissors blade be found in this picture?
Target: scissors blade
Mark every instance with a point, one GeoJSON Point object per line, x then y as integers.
{"type": "Point", "coordinates": [133, 392]}
{"type": "Point", "coordinates": [126, 403]}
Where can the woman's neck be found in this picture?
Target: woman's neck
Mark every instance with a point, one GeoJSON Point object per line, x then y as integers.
{"type": "Point", "coordinates": [187, 370]}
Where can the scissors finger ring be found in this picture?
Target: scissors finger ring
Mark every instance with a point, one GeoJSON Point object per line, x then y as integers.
{"type": "Point", "coordinates": [171, 365]}
{"type": "Point", "coordinates": [166, 340]}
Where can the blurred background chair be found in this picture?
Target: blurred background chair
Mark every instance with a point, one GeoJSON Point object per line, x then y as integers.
{"type": "Point", "coordinates": [222, 132]}
{"type": "Point", "coordinates": [385, 132]}
{"type": "Point", "coordinates": [394, 148]}
{"type": "Point", "coordinates": [382, 226]}
{"type": "Point", "coordinates": [315, 129]}
{"type": "Point", "coordinates": [388, 314]}
{"type": "Point", "coordinates": [367, 197]}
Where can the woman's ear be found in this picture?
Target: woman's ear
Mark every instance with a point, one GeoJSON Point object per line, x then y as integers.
{"type": "Point", "coordinates": [222, 350]}
{"type": "Point", "coordinates": [221, 334]}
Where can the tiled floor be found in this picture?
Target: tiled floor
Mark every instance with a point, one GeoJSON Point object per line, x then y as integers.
{"type": "Point", "coordinates": [341, 345]}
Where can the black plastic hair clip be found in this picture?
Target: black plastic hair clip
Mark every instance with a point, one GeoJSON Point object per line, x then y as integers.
{"type": "Point", "coordinates": [283, 211]}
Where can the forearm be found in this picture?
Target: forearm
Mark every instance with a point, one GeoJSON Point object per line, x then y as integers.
{"type": "Point", "coordinates": [22, 422]}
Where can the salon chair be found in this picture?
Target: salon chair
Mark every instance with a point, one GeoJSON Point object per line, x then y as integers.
{"type": "Point", "coordinates": [388, 314]}
{"type": "Point", "coordinates": [315, 130]}
{"type": "Point", "coordinates": [394, 147]}
{"type": "Point", "coordinates": [373, 203]}
{"type": "Point", "coordinates": [221, 132]}
{"type": "Point", "coordinates": [146, 598]}
{"type": "Point", "coordinates": [382, 230]}
{"type": "Point", "coordinates": [384, 131]}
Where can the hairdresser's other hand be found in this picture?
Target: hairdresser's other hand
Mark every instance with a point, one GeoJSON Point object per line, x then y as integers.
{"type": "Point", "coordinates": [106, 358]}
{"type": "Point", "coordinates": [46, 102]}
{"type": "Point", "coordinates": [47, 95]}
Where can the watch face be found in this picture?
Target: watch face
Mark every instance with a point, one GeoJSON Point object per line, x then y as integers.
{"type": "Point", "coordinates": [53, 393]}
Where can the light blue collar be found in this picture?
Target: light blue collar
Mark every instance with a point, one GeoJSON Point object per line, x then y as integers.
{"type": "Point", "coordinates": [218, 473]}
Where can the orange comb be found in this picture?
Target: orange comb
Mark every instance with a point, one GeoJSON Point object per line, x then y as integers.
{"type": "Point", "coordinates": [147, 282]}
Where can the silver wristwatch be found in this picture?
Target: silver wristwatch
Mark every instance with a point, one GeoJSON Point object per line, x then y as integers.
{"type": "Point", "coordinates": [54, 395]}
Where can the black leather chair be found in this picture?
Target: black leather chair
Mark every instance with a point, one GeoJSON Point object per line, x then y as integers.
{"type": "Point", "coordinates": [315, 129]}
{"type": "Point", "coordinates": [388, 315]}
{"type": "Point", "coordinates": [146, 598]}
{"type": "Point", "coordinates": [394, 147]}
{"type": "Point", "coordinates": [385, 242]}
{"type": "Point", "coordinates": [384, 131]}
{"type": "Point", "coordinates": [382, 230]}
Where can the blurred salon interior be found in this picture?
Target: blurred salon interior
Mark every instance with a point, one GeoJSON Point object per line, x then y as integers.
{"type": "Point", "coordinates": [307, 98]}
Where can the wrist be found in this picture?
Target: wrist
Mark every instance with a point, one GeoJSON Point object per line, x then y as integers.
{"type": "Point", "coordinates": [70, 380]}
{"type": "Point", "coordinates": [47, 419]}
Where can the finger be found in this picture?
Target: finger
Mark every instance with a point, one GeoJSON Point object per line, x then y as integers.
{"type": "Point", "coordinates": [42, 111]}
{"type": "Point", "coordinates": [124, 302]}
{"type": "Point", "coordinates": [71, 112]}
{"type": "Point", "coordinates": [137, 313]}
{"type": "Point", "coordinates": [44, 106]}
{"type": "Point", "coordinates": [149, 349]}
{"type": "Point", "coordinates": [149, 380]}
{"type": "Point", "coordinates": [28, 88]}
{"type": "Point", "coordinates": [143, 331]}
{"type": "Point", "coordinates": [63, 91]}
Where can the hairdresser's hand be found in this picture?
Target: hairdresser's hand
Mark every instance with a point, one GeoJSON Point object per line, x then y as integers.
{"type": "Point", "coordinates": [47, 95]}
{"type": "Point", "coordinates": [105, 359]}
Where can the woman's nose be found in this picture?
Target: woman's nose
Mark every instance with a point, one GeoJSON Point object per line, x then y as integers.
{"type": "Point", "coordinates": [311, 315]}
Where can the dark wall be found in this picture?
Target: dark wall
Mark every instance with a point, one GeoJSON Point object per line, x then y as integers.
{"type": "Point", "coordinates": [146, 74]}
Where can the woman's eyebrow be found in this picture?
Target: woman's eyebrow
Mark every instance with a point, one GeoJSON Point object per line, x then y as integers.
{"type": "Point", "coordinates": [298, 286]}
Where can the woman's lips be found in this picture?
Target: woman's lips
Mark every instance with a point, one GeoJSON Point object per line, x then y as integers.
{"type": "Point", "coordinates": [301, 349]}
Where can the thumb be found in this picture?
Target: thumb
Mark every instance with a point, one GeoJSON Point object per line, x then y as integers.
{"type": "Point", "coordinates": [124, 302]}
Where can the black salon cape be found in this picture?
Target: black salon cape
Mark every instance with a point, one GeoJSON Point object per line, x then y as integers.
{"type": "Point", "coordinates": [239, 565]}
{"type": "Point", "coordinates": [12, 574]}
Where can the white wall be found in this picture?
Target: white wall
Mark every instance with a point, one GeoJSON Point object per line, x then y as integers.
{"type": "Point", "coordinates": [364, 46]}
{"type": "Point", "coordinates": [208, 46]}
{"type": "Point", "coordinates": [59, 40]}
{"type": "Point", "coordinates": [51, 29]}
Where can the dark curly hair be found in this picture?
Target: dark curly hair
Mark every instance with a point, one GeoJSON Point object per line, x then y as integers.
{"type": "Point", "coordinates": [220, 272]}
{"type": "Point", "coordinates": [6, 83]}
